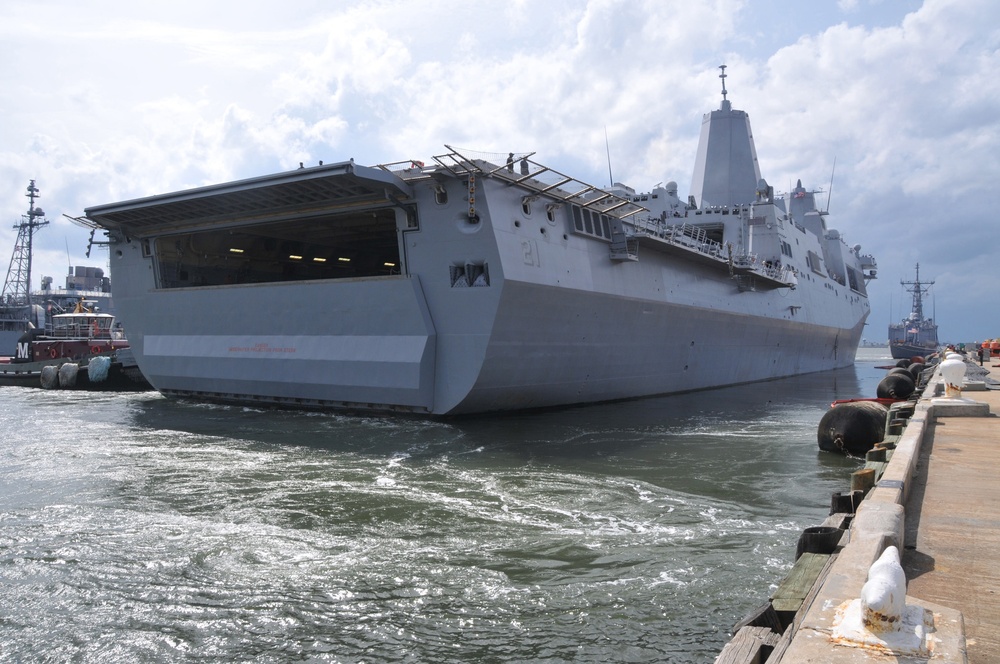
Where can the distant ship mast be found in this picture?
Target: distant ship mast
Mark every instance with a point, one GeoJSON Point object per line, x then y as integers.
{"type": "Point", "coordinates": [17, 287]}
{"type": "Point", "coordinates": [919, 289]}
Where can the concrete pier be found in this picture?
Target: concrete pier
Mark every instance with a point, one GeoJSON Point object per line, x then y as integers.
{"type": "Point", "coordinates": [952, 552]}
{"type": "Point", "coordinates": [935, 504]}
{"type": "Point", "coordinates": [938, 502]}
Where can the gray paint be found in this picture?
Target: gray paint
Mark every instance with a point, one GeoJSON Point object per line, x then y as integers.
{"type": "Point", "coordinates": [562, 321]}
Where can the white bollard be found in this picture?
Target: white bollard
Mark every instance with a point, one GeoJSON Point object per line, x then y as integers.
{"type": "Point", "coordinates": [953, 374]}
{"type": "Point", "coordinates": [880, 620]}
{"type": "Point", "coordinates": [883, 597]}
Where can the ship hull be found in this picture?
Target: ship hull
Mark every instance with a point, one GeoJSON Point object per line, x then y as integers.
{"type": "Point", "coordinates": [519, 345]}
{"type": "Point", "coordinates": [8, 339]}
{"type": "Point", "coordinates": [591, 347]}
{"type": "Point", "coordinates": [121, 377]}
{"type": "Point", "coordinates": [904, 351]}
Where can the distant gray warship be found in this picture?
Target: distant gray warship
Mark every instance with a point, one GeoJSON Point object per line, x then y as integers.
{"type": "Point", "coordinates": [914, 335]}
{"type": "Point", "coordinates": [18, 312]}
{"type": "Point", "coordinates": [482, 283]}
{"type": "Point", "coordinates": [20, 309]}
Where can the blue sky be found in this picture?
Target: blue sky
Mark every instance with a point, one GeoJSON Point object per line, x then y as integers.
{"type": "Point", "coordinates": [104, 101]}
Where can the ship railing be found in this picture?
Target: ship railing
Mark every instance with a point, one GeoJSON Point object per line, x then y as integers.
{"type": "Point", "coordinates": [14, 301]}
{"type": "Point", "coordinates": [400, 166]}
{"type": "Point", "coordinates": [867, 261]}
{"type": "Point", "coordinates": [776, 271]}
{"type": "Point", "coordinates": [521, 171]}
{"type": "Point", "coordinates": [773, 270]}
{"type": "Point", "coordinates": [869, 268]}
{"type": "Point", "coordinates": [691, 236]}
{"type": "Point", "coordinates": [79, 330]}
{"type": "Point", "coordinates": [747, 263]}
{"type": "Point", "coordinates": [748, 269]}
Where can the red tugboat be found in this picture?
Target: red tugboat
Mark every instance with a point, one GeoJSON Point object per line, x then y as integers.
{"type": "Point", "coordinates": [82, 350]}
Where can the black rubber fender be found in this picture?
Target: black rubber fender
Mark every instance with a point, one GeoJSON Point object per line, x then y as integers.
{"type": "Point", "coordinates": [896, 386]}
{"type": "Point", "coordinates": [853, 427]}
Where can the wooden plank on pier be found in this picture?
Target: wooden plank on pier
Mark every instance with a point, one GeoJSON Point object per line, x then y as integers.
{"type": "Point", "coordinates": [879, 468]}
{"type": "Point", "coordinates": [790, 595]}
{"type": "Point", "coordinates": [779, 649]}
{"type": "Point", "coordinates": [750, 645]}
{"type": "Point", "coordinates": [763, 616]}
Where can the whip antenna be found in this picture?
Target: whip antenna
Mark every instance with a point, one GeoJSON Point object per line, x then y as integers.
{"type": "Point", "coordinates": [829, 193]}
{"type": "Point", "coordinates": [607, 146]}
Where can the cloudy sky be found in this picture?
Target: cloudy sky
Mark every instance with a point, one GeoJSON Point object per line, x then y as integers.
{"type": "Point", "coordinates": [105, 101]}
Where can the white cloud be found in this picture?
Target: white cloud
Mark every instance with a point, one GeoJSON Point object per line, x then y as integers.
{"type": "Point", "coordinates": [105, 103]}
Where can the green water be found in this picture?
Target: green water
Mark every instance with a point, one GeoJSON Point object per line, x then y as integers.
{"type": "Point", "coordinates": [136, 528]}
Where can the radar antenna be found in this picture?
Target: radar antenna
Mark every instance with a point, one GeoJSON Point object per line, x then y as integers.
{"type": "Point", "coordinates": [920, 288]}
{"type": "Point", "coordinates": [17, 287]}
{"type": "Point", "coordinates": [723, 77]}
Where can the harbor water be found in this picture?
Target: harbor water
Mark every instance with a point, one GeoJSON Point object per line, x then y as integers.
{"type": "Point", "coordinates": [137, 528]}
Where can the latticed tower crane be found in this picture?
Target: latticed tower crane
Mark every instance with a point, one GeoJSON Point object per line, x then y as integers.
{"type": "Point", "coordinates": [17, 286]}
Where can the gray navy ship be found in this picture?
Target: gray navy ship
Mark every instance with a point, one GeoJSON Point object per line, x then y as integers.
{"type": "Point", "coordinates": [914, 336]}
{"type": "Point", "coordinates": [18, 312]}
{"type": "Point", "coordinates": [482, 282]}
{"type": "Point", "coordinates": [20, 309]}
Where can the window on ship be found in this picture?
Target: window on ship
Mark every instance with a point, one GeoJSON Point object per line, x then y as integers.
{"type": "Point", "coordinates": [856, 281]}
{"type": "Point", "coordinates": [342, 246]}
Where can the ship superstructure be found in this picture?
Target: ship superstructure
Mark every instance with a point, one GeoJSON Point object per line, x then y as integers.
{"type": "Point", "coordinates": [18, 312]}
{"type": "Point", "coordinates": [915, 335]}
{"type": "Point", "coordinates": [481, 282]}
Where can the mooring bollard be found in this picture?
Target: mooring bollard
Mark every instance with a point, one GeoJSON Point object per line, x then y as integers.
{"type": "Point", "coordinates": [953, 374]}
{"type": "Point", "coordinates": [883, 597]}
{"type": "Point", "coordinates": [880, 618]}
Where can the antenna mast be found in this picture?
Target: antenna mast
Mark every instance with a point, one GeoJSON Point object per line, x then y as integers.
{"type": "Point", "coordinates": [17, 287]}
{"type": "Point", "coordinates": [829, 194]}
{"type": "Point", "coordinates": [607, 146]}
{"type": "Point", "coordinates": [920, 288]}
